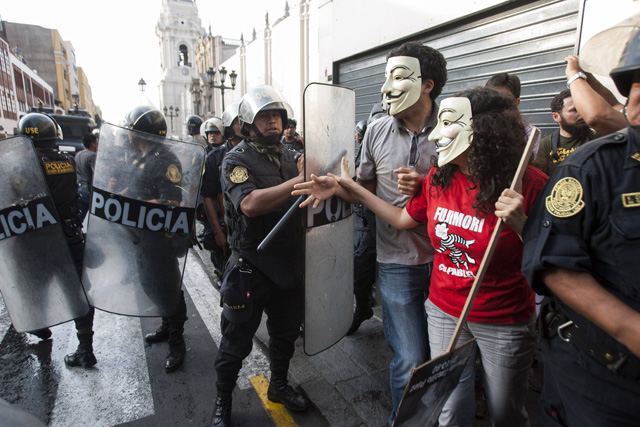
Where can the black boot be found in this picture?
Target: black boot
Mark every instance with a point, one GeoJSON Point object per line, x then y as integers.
{"type": "Point", "coordinates": [281, 392]}
{"type": "Point", "coordinates": [84, 354]}
{"type": "Point", "coordinates": [161, 334]}
{"type": "Point", "coordinates": [177, 350]}
{"type": "Point", "coordinates": [222, 417]}
{"type": "Point", "coordinates": [362, 313]}
{"type": "Point", "coordinates": [43, 334]}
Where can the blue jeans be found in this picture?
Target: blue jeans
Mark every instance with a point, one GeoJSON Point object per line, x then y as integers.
{"type": "Point", "coordinates": [404, 289]}
{"type": "Point", "coordinates": [506, 352]}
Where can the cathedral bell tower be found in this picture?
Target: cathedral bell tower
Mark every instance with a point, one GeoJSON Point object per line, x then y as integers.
{"type": "Point", "coordinates": [178, 31]}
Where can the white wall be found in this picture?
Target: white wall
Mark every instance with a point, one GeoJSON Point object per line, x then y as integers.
{"type": "Point", "coordinates": [358, 26]}
{"type": "Point", "coordinates": [338, 29]}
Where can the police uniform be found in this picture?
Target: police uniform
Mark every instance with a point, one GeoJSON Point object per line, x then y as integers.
{"type": "Point", "coordinates": [60, 175]}
{"type": "Point", "coordinates": [156, 174]}
{"type": "Point", "coordinates": [276, 274]}
{"type": "Point", "coordinates": [211, 188]}
{"type": "Point", "coordinates": [588, 219]}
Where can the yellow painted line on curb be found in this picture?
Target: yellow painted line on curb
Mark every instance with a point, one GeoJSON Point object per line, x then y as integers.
{"type": "Point", "coordinates": [276, 411]}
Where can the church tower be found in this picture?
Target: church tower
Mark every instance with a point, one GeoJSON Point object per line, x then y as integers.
{"type": "Point", "coordinates": [178, 31]}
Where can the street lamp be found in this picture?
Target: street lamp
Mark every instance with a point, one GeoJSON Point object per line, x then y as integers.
{"type": "Point", "coordinates": [142, 84]}
{"type": "Point", "coordinates": [171, 114]}
{"type": "Point", "coordinates": [211, 75]}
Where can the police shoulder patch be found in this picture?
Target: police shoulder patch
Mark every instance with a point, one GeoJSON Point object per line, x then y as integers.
{"type": "Point", "coordinates": [19, 183]}
{"type": "Point", "coordinates": [565, 199]}
{"type": "Point", "coordinates": [631, 200]}
{"type": "Point", "coordinates": [239, 174]}
{"type": "Point", "coordinates": [173, 173]}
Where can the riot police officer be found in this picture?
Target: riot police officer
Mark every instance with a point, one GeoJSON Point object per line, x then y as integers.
{"type": "Point", "coordinates": [364, 250]}
{"type": "Point", "coordinates": [257, 179]}
{"type": "Point", "coordinates": [193, 124]}
{"type": "Point", "coordinates": [214, 133]}
{"type": "Point", "coordinates": [215, 238]}
{"type": "Point", "coordinates": [157, 179]}
{"type": "Point", "coordinates": [581, 248]}
{"type": "Point", "coordinates": [60, 175]}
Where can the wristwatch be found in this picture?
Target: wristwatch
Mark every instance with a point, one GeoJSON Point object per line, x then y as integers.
{"type": "Point", "coordinates": [578, 75]}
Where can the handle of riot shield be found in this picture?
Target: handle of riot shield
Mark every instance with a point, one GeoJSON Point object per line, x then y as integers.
{"type": "Point", "coordinates": [493, 242]}
{"type": "Point", "coordinates": [289, 213]}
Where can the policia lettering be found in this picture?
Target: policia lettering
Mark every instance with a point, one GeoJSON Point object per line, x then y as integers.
{"type": "Point", "coordinates": [23, 218]}
{"type": "Point", "coordinates": [142, 215]}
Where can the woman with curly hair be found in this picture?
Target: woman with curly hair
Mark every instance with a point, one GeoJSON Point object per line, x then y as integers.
{"type": "Point", "coordinates": [480, 140]}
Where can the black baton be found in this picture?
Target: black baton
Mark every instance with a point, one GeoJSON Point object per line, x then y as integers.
{"type": "Point", "coordinates": [287, 215]}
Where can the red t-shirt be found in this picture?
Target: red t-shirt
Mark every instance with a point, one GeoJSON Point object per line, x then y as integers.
{"type": "Point", "coordinates": [460, 240]}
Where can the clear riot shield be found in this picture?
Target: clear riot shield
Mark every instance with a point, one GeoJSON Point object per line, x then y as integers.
{"type": "Point", "coordinates": [38, 280]}
{"type": "Point", "coordinates": [143, 201]}
{"type": "Point", "coordinates": [329, 118]}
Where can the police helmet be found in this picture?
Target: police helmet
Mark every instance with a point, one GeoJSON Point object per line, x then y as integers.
{"type": "Point", "coordinates": [262, 98]}
{"type": "Point", "coordinates": [43, 130]}
{"type": "Point", "coordinates": [146, 119]}
{"type": "Point", "coordinates": [377, 112]}
{"type": "Point", "coordinates": [214, 124]}
{"type": "Point", "coordinates": [629, 64]}
{"type": "Point", "coordinates": [361, 128]}
{"type": "Point", "coordinates": [229, 115]}
{"type": "Point", "coordinates": [193, 124]}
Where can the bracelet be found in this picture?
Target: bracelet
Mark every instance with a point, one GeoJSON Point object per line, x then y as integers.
{"type": "Point", "coordinates": [578, 75]}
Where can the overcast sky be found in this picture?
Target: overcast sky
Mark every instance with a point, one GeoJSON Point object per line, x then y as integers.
{"type": "Point", "coordinates": [116, 43]}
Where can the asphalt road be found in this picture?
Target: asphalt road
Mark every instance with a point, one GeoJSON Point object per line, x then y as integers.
{"type": "Point", "coordinates": [347, 384]}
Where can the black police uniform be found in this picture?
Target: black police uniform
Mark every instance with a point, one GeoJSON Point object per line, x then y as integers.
{"type": "Point", "coordinates": [364, 259]}
{"type": "Point", "coordinates": [276, 278]}
{"type": "Point", "coordinates": [588, 219]}
{"type": "Point", "coordinates": [211, 188]}
{"type": "Point", "coordinates": [157, 175]}
{"type": "Point", "coordinates": [60, 175]}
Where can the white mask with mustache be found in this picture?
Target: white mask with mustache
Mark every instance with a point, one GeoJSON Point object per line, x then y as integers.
{"type": "Point", "coordinates": [403, 83]}
{"type": "Point", "coordinates": [453, 133]}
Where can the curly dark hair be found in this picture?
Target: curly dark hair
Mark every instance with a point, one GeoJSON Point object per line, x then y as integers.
{"type": "Point", "coordinates": [498, 140]}
{"type": "Point", "coordinates": [433, 66]}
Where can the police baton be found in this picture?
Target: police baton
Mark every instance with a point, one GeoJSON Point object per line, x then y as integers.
{"type": "Point", "coordinates": [287, 215]}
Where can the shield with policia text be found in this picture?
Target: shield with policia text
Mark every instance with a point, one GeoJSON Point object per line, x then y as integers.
{"type": "Point", "coordinates": [329, 118]}
{"type": "Point", "coordinates": [39, 283]}
{"type": "Point", "coordinates": [143, 201]}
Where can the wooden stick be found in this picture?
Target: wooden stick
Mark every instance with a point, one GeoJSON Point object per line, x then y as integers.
{"type": "Point", "coordinates": [484, 265]}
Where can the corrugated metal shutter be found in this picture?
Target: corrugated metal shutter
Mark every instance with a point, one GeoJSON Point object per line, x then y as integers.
{"type": "Point", "coordinates": [530, 41]}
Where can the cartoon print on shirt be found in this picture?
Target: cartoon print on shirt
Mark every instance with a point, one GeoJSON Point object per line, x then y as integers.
{"type": "Point", "coordinates": [448, 241]}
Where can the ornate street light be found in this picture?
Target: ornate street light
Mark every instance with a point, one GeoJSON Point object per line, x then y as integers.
{"type": "Point", "coordinates": [142, 84]}
{"type": "Point", "coordinates": [211, 75]}
{"type": "Point", "coordinates": [171, 114]}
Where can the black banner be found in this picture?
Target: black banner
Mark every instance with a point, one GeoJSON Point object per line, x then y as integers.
{"type": "Point", "coordinates": [430, 386]}
{"type": "Point", "coordinates": [142, 215]}
{"type": "Point", "coordinates": [27, 216]}
{"type": "Point", "coordinates": [328, 211]}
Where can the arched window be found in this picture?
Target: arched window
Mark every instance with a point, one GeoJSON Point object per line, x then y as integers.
{"type": "Point", "coordinates": [183, 54]}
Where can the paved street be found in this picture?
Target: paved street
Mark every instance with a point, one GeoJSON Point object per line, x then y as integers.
{"type": "Point", "coordinates": [348, 384]}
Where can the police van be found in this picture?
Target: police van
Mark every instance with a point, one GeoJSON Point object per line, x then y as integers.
{"type": "Point", "coordinates": [74, 125]}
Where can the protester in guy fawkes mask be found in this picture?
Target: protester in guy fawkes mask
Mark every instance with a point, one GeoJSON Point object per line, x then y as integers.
{"type": "Point", "coordinates": [396, 156]}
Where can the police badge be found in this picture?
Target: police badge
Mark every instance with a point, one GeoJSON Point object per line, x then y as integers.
{"type": "Point", "coordinates": [565, 199]}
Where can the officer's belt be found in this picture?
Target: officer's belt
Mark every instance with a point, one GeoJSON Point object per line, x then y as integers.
{"type": "Point", "coordinates": [556, 323]}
